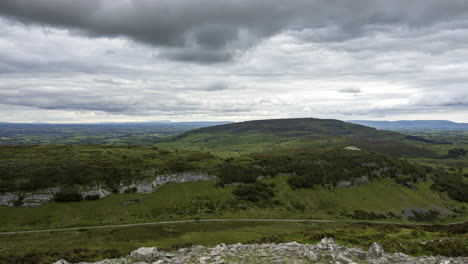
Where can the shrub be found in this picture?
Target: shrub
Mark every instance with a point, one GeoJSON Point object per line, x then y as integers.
{"type": "Point", "coordinates": [67, 196]}
{"type": "Point", "coordinates": [92, 197]}
{"type": "Point", "coordinates": [428, 216]}
{"type": "Point", "coordinates": [236, 172]}
{"type": "Point", "coordinates": [254, 192]}
{"type": "Point", "coordinates": [298, 206]}
{"type": "Point", "coordinates": [131, 190]}
{"type": "Point", "coordinates": [364, 215]}
{"type": "Point", "coordinates": [456, 152]}
{"type": "Point", "coordinates": [452, 183]}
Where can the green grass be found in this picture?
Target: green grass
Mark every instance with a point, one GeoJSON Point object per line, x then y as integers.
{"type": "Point", "coordinates": [92, 245]}
{"type": "Point", "coordinates": [205, 201]}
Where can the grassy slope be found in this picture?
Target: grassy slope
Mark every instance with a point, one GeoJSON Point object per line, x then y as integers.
{"type": "Point", "coordinates": [204, 200]}
{"type": "Point", "coordinates": [262, 135]}
{"type": "Point", "coordinates": [110, 243]}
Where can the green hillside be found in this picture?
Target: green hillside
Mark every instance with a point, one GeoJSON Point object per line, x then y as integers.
{"type": "Point", "coordinates": [316, 181]}
{"type": "Point", "coordinates": [205, 200]}
{"type": "Point", "coordinates": [264, 135]}
{"type": "Point", "coordinates": [321, 183]}
{"type": "Point", "coordinates": [28, 168]}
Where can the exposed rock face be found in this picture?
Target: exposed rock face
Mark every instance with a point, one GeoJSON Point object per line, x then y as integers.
{"type": "Point", "coordinates": [7, 199]}
{"type": "Point", "coordinates": [150, 185]}
{"type": "Point", "coordinates": [326, 251]}
{"type": "Point", "coordinates": [147, 185]}
{"type": "Point", "coordinates": [352, 148]}
{"type": "Point", "coordinates": [342, 184]}
{"type": "Point", "coordinates": [39, 197]}
{"type": "Point", "coordinates": [145, 254]}
{"type": "Point", "coordinates": [95, 191]}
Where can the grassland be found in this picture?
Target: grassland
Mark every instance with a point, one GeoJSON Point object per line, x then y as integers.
{"type": "Point", "coordinates": [89, 245]}
{"type": "Point", "coordinates": [202, 200]}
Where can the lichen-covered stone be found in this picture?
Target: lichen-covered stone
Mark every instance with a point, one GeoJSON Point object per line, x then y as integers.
{"type": "Point", "coordinates": [326, 251]}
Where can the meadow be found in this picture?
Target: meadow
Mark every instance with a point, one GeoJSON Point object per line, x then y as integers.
{"type": "Point", "coordinates": [93, 245]}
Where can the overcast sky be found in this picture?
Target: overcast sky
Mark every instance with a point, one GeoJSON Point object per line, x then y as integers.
{"type": "Point", "coordinates": [232, 60]}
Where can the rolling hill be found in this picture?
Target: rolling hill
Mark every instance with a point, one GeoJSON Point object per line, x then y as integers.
{"type": "Point", "coordinates": [265, 135]}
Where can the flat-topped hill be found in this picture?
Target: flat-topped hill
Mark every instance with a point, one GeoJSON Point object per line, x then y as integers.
{"type": "Point", "coordinates": [264, 135]}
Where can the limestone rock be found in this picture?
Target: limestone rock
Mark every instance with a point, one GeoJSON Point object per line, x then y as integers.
{"type": "Point", "coordinates": [145, 254]}
{"type": "Point", "coordinates": [7, 199]}
{"type": "Point", "coordinates": [376, 250]}
{"type": "Point", "coordinates": [326, 251]}
{"type": "Point", "coordinates": [62, 261]}
{"type": "Point", "coordinates": [326, 244]}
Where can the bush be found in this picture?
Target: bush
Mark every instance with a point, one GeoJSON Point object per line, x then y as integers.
{"type": "Point", "coordinates": [364, 215]}
{"type": "Point", "coordinates": [428, 216]}
{"type": "Point", "coordinates": [298, 206]}
{"type": "Point", "coordinates": [92, 197]}
{"type": "Point", "coordinates": [255, 192]}
{"type": "Point", "coordinates": [452, 183]}
{"type": "Point", "coordinates": [456, 152]}
{"type": "Point", "coordinates": [67, 196]}
{"type": "Point", "coordinates": [237, 172]}
{"type": "Point", "coordinates": [131, 190]}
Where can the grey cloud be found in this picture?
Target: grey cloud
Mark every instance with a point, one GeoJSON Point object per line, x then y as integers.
{"type": "Point", "coordinates": [108, 81]}
{"type": "Point", "coordinates": [197, 55]}
{"type": "Point", "coordinates": [214, 31]}
{"type": "Point", "coordinates": [114, 101]}
{"type": "Point", "coordinates": [350, 90]}
{"type": "Point", "coordinates": [218, 86]}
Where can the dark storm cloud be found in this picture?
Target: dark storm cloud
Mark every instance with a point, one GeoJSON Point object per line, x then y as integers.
{"type": "Point", "coordinates": [209, 31]}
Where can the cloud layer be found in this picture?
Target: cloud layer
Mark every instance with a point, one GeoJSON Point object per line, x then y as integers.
{"type": "Point", "coordinates": [95, 60]}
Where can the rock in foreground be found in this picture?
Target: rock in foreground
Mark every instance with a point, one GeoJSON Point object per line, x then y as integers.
{"type": "Point", "coordinates": [326, 251]}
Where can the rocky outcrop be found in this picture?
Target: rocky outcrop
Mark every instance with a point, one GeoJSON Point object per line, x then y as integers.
{"type": "Point", "coordinates": [147, 185]}
{"type": "Point", "coordinates": [8, 199]}
{"type": "Point", "coordinates": [96, 191]}
{"type": "Point", "coordinates": [352, 148]}
{"type": "Point", "coordinates": [39, 197]}
{"type": "Point", "coordinates": [145, 254]}
{"type": "Point", "coordinates": [326, 251]}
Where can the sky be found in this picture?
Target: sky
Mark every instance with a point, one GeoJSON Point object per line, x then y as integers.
{"type": "Point", "coordinates": [68, 61]}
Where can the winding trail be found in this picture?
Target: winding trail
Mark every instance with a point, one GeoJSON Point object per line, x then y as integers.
{"type": "Point", "coordinates": [226, 220]}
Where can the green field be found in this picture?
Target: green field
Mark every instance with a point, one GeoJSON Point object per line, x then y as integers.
{"type": "Point", "coordinates": [203, 200]}
{"type": "Point", "coordinates": [92, 245]}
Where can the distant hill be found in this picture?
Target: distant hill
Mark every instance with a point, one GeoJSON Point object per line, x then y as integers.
{"type": "Point", "coordinates": [415, 125]}
{"type": "Point", "coordinates": [264, 135]}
